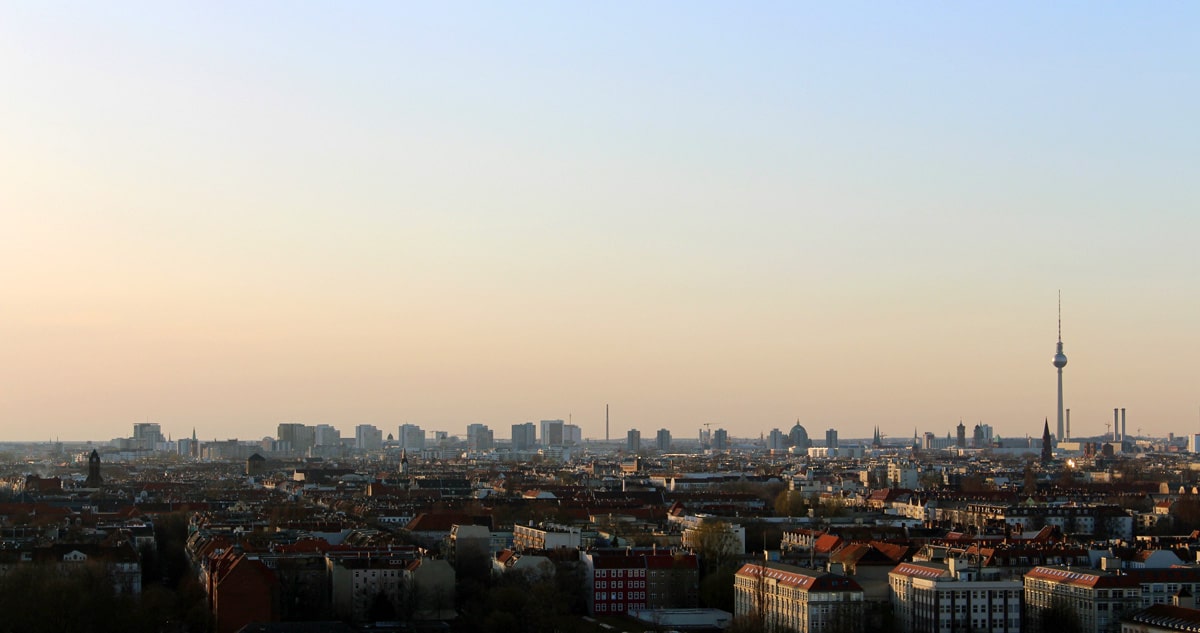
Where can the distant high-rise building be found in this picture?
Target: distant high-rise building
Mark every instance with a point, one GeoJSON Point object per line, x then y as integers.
{"type": "Point", "coordinates": [633, 441]}
{"type": "Point", "coordinates": [720, 440]}
{"type": "Point", "coordinates": [962, 435]}
{"type": "Point", "coordinates": [1060, 361]}
{"type": "Point", "coordinates": [663, 441]}
{"type": "Point", "coordinates": [524, 436]}
{"type": "Point", "coordinates": [412, 438]}
{"type": "Point", "coordinates": [479, 438]}
{"type": "Point", "coordinates": [367, 437]}
{"type": "Point", "coordinates": [147, 436]}
{"type": "Point", "coordinates": [572, 434]}
{"type": "Point", "coordinates": [776, 440]}
{"type": "Point", "coordinates": [552, 432]}
{"type": "Point", "coordinates": [831, 440]}
{"type": "Point", "coordinates": [982, 437]}
{"type": "Point", "coordinates": [297, 438]}
{"type": "Point", "coordinates": [326, 435]}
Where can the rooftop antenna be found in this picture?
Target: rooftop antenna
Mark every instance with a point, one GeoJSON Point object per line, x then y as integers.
{"type": "Point", "coordinates": [1060, 316]}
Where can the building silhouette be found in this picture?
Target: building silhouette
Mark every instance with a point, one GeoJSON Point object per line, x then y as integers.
{"type": "Point", "coordinates": [94, 479]}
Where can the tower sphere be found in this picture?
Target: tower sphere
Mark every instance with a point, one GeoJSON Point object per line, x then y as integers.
{"type": "Point", "coordinates": [1060, 360]}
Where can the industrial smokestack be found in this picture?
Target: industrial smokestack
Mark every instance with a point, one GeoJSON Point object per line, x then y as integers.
{"type": "Point", "coordinates": [1116, 425]}
{"type": "Point", "coordinates": [606, 423]}
{"type": "Point", "coordinates": [1068, 424]}
{"type": "Point", "coordinates": [1123, 436]}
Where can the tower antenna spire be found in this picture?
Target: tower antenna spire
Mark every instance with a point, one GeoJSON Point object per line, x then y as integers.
{"type": "Point", "coordinates": [1060, 316]}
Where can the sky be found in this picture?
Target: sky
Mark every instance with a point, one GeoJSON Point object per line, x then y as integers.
{"type": "Point", "coordinates": [228, 215]}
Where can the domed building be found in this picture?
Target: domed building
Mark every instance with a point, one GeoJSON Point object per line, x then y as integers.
{"type": "Point", "coordinates": [798, 437]}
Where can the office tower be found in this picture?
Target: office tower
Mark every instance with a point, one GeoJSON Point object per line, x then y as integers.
{"type": "Point", "coordinates": [572, 434]}
{"type": "Point", "coordinates": [663, 441]}
{"type": "Point", "coordinates": [326, 435]}
{"type": "Point", "coordinates": [480, 438]}
{"type": "Point", "coordinates": [367, 437]}
{"type": "Point", "coordinates": [552, 432]}
{"type": "Point", "coordinates": [633, 441]}
{"type": "Point", "coordinates": [776, 441]}
{"type": "Point", "coordinates": [146, 436]}
{"type": "Point", "coordinates": [412, 438]}
{"type": "Point", "coordinates": [1060, 361]}
{"type": "Point", "coordinates": [720, 440]}
{"type": "Point", "coordinates": [294, 437]}
{"type": "Point", "coordinates": [524, 436]}
{"type": "Point", "coordinates": [831, 440]}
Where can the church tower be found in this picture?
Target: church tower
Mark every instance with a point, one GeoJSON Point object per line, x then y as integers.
{"type": "Point", "coordinates": [1047, 456]}
{"type": "Point", "coordinates": [94, 479]}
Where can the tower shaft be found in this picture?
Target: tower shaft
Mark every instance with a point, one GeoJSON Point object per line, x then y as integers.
{"type": "Point", "coordinates": [1061, 428]}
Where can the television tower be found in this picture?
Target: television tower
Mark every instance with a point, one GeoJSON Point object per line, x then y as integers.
{"type": "Point", "coordinates": [1060, 361]}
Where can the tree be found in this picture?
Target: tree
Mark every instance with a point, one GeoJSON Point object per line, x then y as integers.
{"type": "Point", "coordinates": [790, 503]}
{"type": "Point", "coordinates": [1059, 617]}
{"type": "Point", "coordinates": [381, 609]}
{"type": "Point", "coordinates": [1029, 486]}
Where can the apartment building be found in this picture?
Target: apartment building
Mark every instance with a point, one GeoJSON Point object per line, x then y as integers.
{"type": "Point", "coordinates": [955, 597]}
{"type": "Point", "coordinates": [789, 598]}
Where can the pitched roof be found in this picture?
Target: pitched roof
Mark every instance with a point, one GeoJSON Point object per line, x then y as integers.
{"type": "Point", "coordinates": [827, 543]}
{"type": "Point", "coordinates": [922, 570]}
{"type": "Point", "coordinates": [1168, 617]}
{"type": "Point", "coordinates": [1085, 578]}
{"type": "Point", "coordinates": [798, 577]}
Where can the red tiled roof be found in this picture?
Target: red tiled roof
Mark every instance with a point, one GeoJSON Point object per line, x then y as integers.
{"type": "Point", "coordinates": [1084, 578]}
{"type": "Point", "coordinates": [796, 577]}
{"type": "Point", "coordinates": [437, 521]}
{"type": "Point", "coordinates": [920, 571]}
{"type": "Point", "coordinates": [1169, 617]}
{"type": "Point", "coordinates": [827, 543]}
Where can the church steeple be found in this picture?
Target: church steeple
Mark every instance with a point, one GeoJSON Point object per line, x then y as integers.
{"type": "Point", "coordinates": [94, 479]}
{"type": "Point", "coordinates": [1047, 456]}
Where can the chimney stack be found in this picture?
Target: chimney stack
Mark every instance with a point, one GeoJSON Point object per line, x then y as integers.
{"type": "Point", "coordinates": [1068, 433]}
{"type": "Point", "coordinates": [1123, 436]}
{"type": "Point", "coordinates": [1116, 425]}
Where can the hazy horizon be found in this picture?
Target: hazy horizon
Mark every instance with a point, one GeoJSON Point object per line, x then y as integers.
{"type": "Point", "coordinates": [228, 216]}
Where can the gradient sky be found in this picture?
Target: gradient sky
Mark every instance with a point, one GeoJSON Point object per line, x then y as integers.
{"type": "Point", "coordinates": [231, 215]}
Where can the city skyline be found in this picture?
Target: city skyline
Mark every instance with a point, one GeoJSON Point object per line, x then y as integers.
{"type": "Point", "coordinates": [229, 217]}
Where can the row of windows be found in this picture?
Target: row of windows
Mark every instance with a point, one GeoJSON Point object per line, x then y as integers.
{"type": "Point", "coordinates": [620, 584]}
{"type": "Point", "coordinates": [620, 595]}
{"type": "Point", "coordinates": [620, 573]}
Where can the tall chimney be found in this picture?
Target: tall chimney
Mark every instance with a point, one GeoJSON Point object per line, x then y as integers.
{"type": "Point", "coordinates": [1068, 424]}
{"type": "Point", "coordinates": [1123, 436]}
{"type": "Point", "coordinates": [1116, 425]}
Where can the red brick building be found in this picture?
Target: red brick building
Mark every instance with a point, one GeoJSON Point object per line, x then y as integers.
{"type": "Point", "coordinates": [621, 581]}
